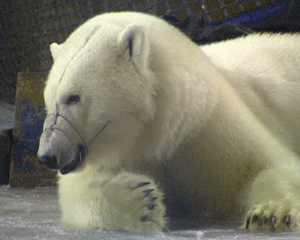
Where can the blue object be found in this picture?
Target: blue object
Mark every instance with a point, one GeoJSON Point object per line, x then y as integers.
{"type": "Point", "coordinates": [256, 15]}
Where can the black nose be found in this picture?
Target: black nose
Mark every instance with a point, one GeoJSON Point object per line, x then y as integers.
{"type": "Point", "coordinates": [49, 161]}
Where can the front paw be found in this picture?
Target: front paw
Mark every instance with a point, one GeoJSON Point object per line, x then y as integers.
{"type": "Point", "coordinates": [150, 198]}
{"type": "Point", "coordinates": [136, 202]}
{"type": "Point", "coordinates": [272, 216]}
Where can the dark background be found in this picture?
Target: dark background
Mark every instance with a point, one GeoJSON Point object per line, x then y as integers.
{"type": "Point", "coordinates": [28, 27]}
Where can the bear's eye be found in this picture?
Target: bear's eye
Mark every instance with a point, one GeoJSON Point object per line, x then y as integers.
{"type": "Point", "coordinates": [73, 99]}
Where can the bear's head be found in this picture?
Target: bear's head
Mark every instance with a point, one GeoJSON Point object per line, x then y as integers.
{"type": "Point", "coordinates": [98, 95]}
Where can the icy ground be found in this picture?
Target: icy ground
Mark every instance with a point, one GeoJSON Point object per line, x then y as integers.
{"type": "Point", "coordinates": [34, 214]}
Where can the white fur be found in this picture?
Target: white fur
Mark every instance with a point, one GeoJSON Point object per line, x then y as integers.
{"type": "Point", "coordinates": [215, 128]}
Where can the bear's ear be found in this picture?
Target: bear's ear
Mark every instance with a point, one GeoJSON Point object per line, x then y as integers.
{"type": "Point", "coordinates": [134, 42]}
{"type": "Point", "coordinates": [55, 49]}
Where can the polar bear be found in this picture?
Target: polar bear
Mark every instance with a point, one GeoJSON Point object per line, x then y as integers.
{"type": "Point", "coordinates": [145, 126]}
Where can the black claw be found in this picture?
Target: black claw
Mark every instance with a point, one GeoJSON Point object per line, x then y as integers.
{"type": "Point", "coordinates": [142, 184]}
{"type": "Point", "coordinates": [263, 220]}
{"type": "Point", "coordinates": [273, 221]}
{"type": "Point", "coordinates": [288, 219]}
{"type": "Point", "coordinates": [151, 206]}
{"type": "Point", "coordinates": [147, 192]}
{"type": "Point", "coordinates": [254, 219]}
{"type": "Point", "coordinates": [248, 222]}
{"type": "Point", "coordinates": [145, 219]}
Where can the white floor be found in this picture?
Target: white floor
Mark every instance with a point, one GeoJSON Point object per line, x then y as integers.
{"type": "Point", "coordinates": [34, 214]}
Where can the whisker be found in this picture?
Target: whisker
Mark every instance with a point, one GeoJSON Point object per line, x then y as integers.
{"type": "Point", "coordinates": [67, 136]}
{"type": "Point", "coordinates": [78, 133]}
{"type": "Point", "coordinates": [98, 133]}
{"type": "Point", "coordinates": [84, 142]}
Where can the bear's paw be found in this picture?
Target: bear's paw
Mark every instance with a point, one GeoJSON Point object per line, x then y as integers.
{"type": "Point", "coordinates": [273, 216]}
{"type": "Point", "coordinates": [137, 202]}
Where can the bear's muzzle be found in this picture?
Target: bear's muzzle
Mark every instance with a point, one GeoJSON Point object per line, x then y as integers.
{"type": "Point", "coordinates": [50, 161]}
{"type": "Point", "coordinates": [61, 146]}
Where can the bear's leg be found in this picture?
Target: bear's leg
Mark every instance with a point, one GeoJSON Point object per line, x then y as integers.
{"type": "Point", "coordinates": [124, 201]}
{"type": "Point", "coordinates": [275, 200]}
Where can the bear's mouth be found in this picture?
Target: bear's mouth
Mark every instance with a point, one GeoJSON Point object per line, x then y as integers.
{"type": "Point", "coordinates": [75, 162]}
